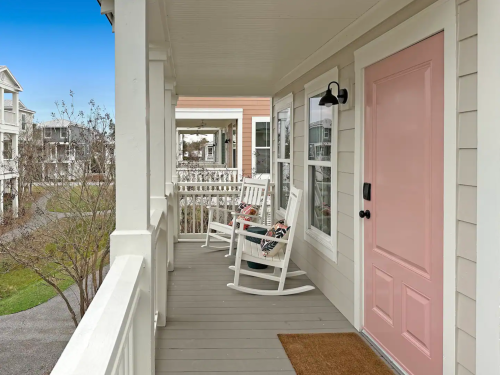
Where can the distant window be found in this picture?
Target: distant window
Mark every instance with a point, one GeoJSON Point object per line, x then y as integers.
{"type": "Point", "coordinates": [64, 133]}
{"type": "Point", "coordinates": [47, 132]}
{"type": "Point", "coordinates": [7, 147]}
{"type": "Point", "coordinates": [23, 122]}
{"type": "Point", "coordinates": [262, 145]}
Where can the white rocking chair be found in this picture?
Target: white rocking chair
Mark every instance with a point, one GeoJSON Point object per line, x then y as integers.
{"type": "Point", "coordinates": [252, 252]}
{"type": "Point", "coordinates": [253, 192]}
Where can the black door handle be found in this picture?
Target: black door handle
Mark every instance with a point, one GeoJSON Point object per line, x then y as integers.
{"type": "Point", "coordinates": [363, 214]}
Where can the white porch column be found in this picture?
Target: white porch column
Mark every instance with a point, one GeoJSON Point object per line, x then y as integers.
{"type": "Point", "coordinates": [1, 153]}
{"type": "Point", "coordinates": [133, 232]}
{"type": "Point", "coordinates": [169, 168]}
{"type": "Point", "coordinates": [173, 142]}
{"type": "Point", "coordinates": [2, 189]}
{"type": "Point", "coordinates": [15, 150]}
{"type": "Point", "coordinates": [15, 200]}
{"type": "Point", "coordinates": [2, 105]}
{"type": "Point", "coordinates": [15, 107]}
{"type": "Point", "coordinates": [157, 166]}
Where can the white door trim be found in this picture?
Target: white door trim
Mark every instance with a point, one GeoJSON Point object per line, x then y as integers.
{"type": "Point", "coordinates": [217, 114]}
{"type": "Point", "coordinates": [488, 201]}
{"type": "Point", "coordinates": [437, 17]}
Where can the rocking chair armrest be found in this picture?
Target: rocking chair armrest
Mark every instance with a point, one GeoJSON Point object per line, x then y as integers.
{"type": "Point", "coordinates": [252, 224]}
{"type": "Point", "coordinates": [250, 234]}
{"type": "Point", "coordinates": [247, 215]}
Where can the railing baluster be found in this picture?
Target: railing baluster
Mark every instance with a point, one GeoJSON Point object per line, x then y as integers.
{"type": "Point", "coordinates": [194, 213]}
{"type": "Point", "coordinates": [185, 214]}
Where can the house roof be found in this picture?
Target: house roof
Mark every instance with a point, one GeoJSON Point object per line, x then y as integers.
{"type": "Point", "coordinates": [8, 80]}
{"type": "Point", "coordinates": [22, 107]}
{"type": "Point", "coordinates": [57, 123]}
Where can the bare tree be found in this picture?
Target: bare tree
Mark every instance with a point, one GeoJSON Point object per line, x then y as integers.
{"type": "Point", "coordinates": [68, 236]}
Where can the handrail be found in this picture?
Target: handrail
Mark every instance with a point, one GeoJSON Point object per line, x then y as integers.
{"type": "Point", "coordinates": [155, 220]}
{"type": "Point", "coordinates": [101, 344]}
{"type": "Point", "coordinates": [156, 217]}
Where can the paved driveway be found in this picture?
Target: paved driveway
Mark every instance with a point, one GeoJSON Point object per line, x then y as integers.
{"type": "Point", "coordinates": [31, 341]}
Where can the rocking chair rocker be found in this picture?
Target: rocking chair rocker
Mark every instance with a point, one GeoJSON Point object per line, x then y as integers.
{"type": "Point", "coordinates": [253, 192]}
{"type": "Point", "coordinates": [252, 252]}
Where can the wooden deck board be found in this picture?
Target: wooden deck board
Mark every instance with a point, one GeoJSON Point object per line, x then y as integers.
{"type": "Point", "coordinates": [212, 329]}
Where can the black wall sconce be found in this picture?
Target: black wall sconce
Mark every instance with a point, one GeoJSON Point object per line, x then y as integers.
{"type": "Point", "coordinates": [329, 99]}
{"type": "Point", "coordinates": [227, 140]}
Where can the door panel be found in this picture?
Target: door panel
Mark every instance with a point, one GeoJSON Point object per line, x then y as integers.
{"type": "Point", "coordinates": [404, 135]}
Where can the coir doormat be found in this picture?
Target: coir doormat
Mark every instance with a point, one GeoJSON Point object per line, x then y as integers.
{"type": "Point", "coordinates": [332, 354]}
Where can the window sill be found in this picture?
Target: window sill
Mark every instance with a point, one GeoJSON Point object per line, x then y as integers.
{"type": "Point", "coordinates": [321, 243]}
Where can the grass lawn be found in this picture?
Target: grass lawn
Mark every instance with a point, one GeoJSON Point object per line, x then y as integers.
{"type": "Point", "coordinates": [74, 200]}
{"type": "Point", "coordinates": [22, 289]}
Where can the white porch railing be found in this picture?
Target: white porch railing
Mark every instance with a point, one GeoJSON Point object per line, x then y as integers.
{"type": "Point", "coordinates": [207, 174]}
{"type": "Point", "coordinates": [104, 342]}
{"type": "Point", "coordinates": [194, 198]}
{"type": "Point", "coordinates": [10, 117]}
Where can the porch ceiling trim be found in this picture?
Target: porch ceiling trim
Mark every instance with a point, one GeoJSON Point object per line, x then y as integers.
{"type": "Point", "coordinates": [362, 25]}
{"type": "Point", "coordinates": [208, 113]}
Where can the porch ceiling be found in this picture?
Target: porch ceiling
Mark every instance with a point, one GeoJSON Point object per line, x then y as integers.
{"type": "Point", "coordinates": [242, 47]}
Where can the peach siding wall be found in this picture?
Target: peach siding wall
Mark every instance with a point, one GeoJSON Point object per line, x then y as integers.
{"type": "Point", "coordinates": [252, 107]}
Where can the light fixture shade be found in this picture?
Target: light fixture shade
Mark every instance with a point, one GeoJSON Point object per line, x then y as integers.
{"type": "Point", "coordinates": [328, 99]}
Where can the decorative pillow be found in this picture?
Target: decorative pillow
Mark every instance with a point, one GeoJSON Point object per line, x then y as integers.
{"type": "Point", "coordinates": [271, 248]}
{"type": "Point", "coordinates": [241, 206]}
{"type": "Point", "coordinates": [247, 210]}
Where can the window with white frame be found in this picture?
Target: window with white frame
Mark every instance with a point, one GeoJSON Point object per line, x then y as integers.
{"type": "Point", "coordinates": [261, 140]}
{"type": "Point", "coordinates": [47, 132]}
{"type": "Point", "coordinates": [64, 133]}
{"type": "Point", "coordinates": [284, 141]}
{"type": "Point", "coordinates": [320, 174]}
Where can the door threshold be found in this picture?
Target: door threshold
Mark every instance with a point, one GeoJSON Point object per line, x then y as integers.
{"type": "Point", "coordinates": [395, 366]}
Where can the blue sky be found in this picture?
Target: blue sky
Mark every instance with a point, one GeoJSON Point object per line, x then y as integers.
{"type": "Point", "coordinates": [53, 46]}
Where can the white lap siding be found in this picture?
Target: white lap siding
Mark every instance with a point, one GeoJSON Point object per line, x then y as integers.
{"type": "Point", "coordinates": [467, 186]}
{"type": "Point", "coordinates": [336, 280]}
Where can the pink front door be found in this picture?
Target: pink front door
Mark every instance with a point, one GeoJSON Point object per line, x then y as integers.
{"type": "Point", "coordinates": [403, 253]}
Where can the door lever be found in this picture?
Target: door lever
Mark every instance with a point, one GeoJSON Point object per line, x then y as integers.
{"type": "Point", "coordinates": [363, 214]}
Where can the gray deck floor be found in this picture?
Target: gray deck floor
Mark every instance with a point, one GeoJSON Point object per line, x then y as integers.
{"type": "Point", "coordinates": [212, 329]}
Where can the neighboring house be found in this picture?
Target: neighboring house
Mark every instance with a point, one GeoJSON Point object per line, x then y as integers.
{"type": "Point", "coordinates": [65, 148]}
{"type": "Point", "coordinates": [241, 130]}
{"type": "Point", "coordinates": [14, 118]}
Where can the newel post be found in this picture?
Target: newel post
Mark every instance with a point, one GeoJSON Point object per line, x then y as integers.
{"type": "Point", "coordinates": [133, 233]}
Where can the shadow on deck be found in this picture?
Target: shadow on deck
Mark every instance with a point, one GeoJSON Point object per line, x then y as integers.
{"type": "Point", "coordinates": [212, 329]}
